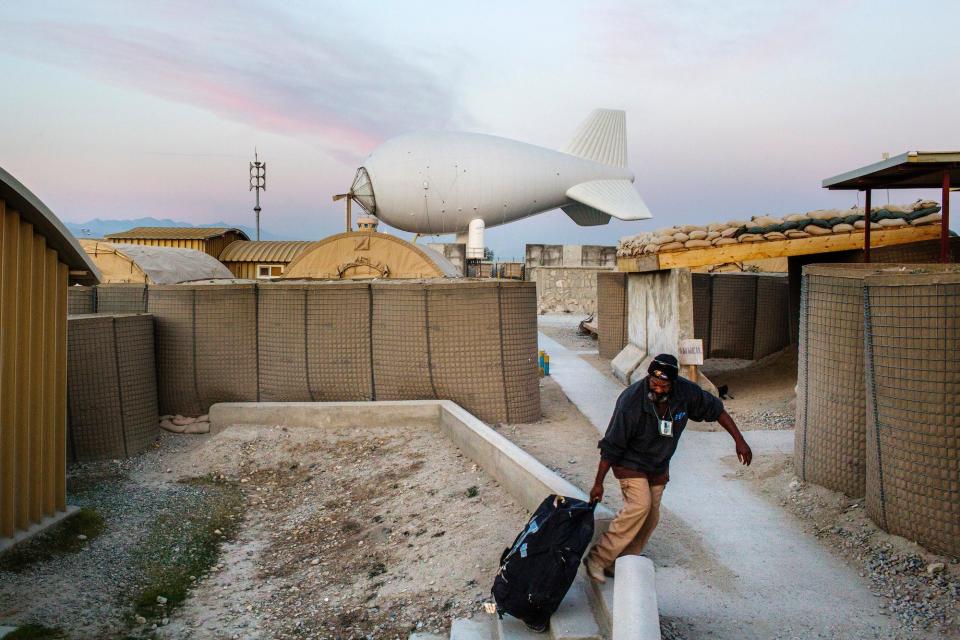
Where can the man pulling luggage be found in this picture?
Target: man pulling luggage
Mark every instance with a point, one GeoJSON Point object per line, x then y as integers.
{"type": "Point", "coordinates": [646, 425]}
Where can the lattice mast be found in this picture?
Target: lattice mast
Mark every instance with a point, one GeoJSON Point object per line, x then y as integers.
{"type": "Point", "coordinates": [258, 182]}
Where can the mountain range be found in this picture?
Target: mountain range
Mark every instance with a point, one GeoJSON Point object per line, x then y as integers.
{"type": "Point", "coordinates": [98, 228]}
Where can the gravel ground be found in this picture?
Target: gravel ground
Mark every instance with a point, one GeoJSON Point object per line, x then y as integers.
{"type": "Point", "coordinates": [920, 589]}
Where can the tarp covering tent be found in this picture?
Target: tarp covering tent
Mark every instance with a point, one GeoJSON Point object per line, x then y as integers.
{"type": "Point", "coordinates": [360, 255]}
{"type": "Point", "coordinates": [121, 263]}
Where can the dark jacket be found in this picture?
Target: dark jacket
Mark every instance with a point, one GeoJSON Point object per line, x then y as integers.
{"type": "Point", "coordinates": [633, 439]}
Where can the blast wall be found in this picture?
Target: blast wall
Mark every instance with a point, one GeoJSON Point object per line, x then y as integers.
{"type": "Point", "coordinates": [111, 386]}
{"type": "Point", "coordinates": [912, 342]}
{"type": "Point", "coordinates": [741, 315]}
{"type": "Point", "coordinates": [81, 300]}
{"type": "Point", "coordinates": [829, 440]}
{"type": "Point", "coordinates": [471, 342]}
{"type": "Point", "coordinates": [611, 313]}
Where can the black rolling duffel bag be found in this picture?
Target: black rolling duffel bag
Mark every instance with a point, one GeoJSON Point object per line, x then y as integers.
{"type": "Point", "coordinates": [537, 571]}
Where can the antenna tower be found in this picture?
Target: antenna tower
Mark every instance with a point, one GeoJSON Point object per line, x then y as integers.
{"type": "Point", "coordinates": [258, 182]}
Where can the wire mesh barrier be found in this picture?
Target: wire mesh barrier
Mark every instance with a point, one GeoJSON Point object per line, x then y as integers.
{"type": "Point", "coordinates": [338, 341]}
{"type": "Point", "coordinates": [80, 300]}
{"type": "Point", "coordinates": [733, 314]}
{"type": "Point", "coordinates": [741, 315]}
{"type": "Point", "coordinates": [611, 313]}
{"type": "Point", "coordinates": [225, 343]}
{"type": "Point", "coordinates": [829, 445]}
{"type": "Point", "coordinates": [282, 331]}
{"type": "Point", "coordinates": [518, 346]}
{"type": "Point", "coordinates": [401, 341]}
{"type": "Point", "coordinates": [772, 325]}
{"type": "Point", "coordinates": [465, 347]}
{"type": "Point", "coordinates": [912, 342]}
{"type": "Point", "coordinates": [702, 286]}
{"type": "Point", "coordinates": [121, 298]}
{"type": "Point", "coordinates": [111, 386]}
{"type": "Point", "coordinates": [471, 342]}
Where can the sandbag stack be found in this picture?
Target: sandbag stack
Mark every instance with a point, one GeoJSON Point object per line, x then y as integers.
{"type": "Point", "coordinates": [769, 228]}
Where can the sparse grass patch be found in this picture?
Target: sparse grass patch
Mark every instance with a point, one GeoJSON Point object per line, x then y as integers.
{"type": "Point", "coordinates": [34, 632]}
{"type": "Point", "coordinates": [187, 544]}
{"type": "Point", "coordinates": [57, 540]}
{"type": "Point", "coordinates": [473, 492]}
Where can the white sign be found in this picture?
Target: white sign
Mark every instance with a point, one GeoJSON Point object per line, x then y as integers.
{"type": "Point", "coordinates": [691, 352]}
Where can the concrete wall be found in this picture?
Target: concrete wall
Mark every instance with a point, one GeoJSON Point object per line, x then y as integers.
{"type": "Point", "coordinates": [452, 251]}
{"type": "Point", "coordinates": [570, 255]}
{"type": "Point", "coordinates": [565, 289]}
{"type": "Point", "coordinates": [659, 316]}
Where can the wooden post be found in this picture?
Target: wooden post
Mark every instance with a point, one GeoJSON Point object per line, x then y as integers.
{"type": "Point", "coordinates": [945, 219]}
{"type": "Point", "coordinates": [866, 227]}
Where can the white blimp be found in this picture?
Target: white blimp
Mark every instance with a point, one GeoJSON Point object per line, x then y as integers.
{"type": "Point", "coordinates": [450, 182]}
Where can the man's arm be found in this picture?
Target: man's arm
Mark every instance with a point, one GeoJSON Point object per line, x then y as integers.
{"type": "Point", "coordinates": [596, 494]}
{"type": "Point", "coordinates": [744, 454]}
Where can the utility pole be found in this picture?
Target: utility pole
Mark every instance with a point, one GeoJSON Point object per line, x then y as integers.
{"type": "Point", "coordinates": [258, 181]}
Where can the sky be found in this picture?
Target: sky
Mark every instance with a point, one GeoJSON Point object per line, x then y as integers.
{"type": "Point", "coordinates": [125, 110]}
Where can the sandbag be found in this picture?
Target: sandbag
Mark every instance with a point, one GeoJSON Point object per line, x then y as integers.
{"type": "Point", "coordinates": [695, 244]}
{"type": "Point", "coordinates": [816, 230]}
{"type": "Point", "coordinates": [842, 228]}
{"type": "Point", "coordinates": [927, 219]}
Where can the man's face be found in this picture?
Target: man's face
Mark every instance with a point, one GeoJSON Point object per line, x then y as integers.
{"type": "Point", "coordinates": [660, 387]}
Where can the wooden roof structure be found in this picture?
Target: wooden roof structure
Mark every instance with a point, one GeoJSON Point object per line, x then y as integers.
{"type": "Point", "coordinates": [775, 249]}
{"type": "Point", "coordinates": [910, 170]}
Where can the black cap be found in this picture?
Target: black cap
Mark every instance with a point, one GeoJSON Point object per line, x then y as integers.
{"type": "Point", "coordinates": [665, 367]}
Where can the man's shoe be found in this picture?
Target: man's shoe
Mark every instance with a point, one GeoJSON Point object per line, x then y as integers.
{"type": "Point", "coordinates": [594, 570]}
{"type": "Point", "coordinates": [537, 628]}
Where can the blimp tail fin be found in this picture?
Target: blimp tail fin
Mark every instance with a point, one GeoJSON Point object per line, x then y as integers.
{"type": "Point", "coordinates": [585, 216]}
{"type": "Point", "coordinates": [602, 138]}
{"type": "Point", "coordinates": [617, 198]}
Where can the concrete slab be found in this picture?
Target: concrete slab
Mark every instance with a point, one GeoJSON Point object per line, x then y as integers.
{"type": "Point", "coordinates": [626, 362]}
{"type": "Point", "coordinates": [474, 629]}
{"type": "Point", "coordinates": [509, 628]}
{"type": "Point", "coordinates": [575, 620]}
{"type": "Point", "coordinates": [635, 614]}
{"type": "Point", "coordinates": [26, 534]}
{"type": "Point", "coordinates": [772, 563]}
{"type": "Point", "coordinates": [427, 636]}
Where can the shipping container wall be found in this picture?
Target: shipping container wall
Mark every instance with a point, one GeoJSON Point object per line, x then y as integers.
{"type": "Point", "coordinates": [33, 349]}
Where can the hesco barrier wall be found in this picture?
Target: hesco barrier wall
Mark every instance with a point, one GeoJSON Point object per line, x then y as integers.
{"type": "Point", "coordinates": [741, 315]}
{"type": "Point", "coordinates": [111, 386]}
{"type": "Point", "coordinates": [611, 313]}
{"type": "Point", "coordinates": [81, 300]}
{"type": "Point", "coordinates": [471, 342]}
{"type": "Point", "coordinates": [829, 445]}
{"type": "Point", "coordinates": [912, 338]}
{"type": "Point", "coordinates": [121, 298]}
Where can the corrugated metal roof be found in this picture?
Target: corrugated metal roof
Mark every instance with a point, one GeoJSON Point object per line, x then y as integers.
{"type": "Point", "coordinates": [174, 233]}
{"type": "Point", "coordinates": [263, 250]}
{"type": "Point", "coordinates": [29, 206]}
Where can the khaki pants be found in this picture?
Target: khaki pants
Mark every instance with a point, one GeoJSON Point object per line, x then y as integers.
{"type": "Point", "coordinates": [630, 530]}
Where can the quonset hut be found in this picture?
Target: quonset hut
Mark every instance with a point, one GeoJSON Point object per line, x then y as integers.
{"type": "Point", "coordinates": [39, 259]}
{"type": "Point", "coordinates": [127, 263]}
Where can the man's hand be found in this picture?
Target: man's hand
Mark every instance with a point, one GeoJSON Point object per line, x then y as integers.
{"type": "Point", "coordinates": [596, 494]}
{"type": "Point", "coordinates": [744, 454]}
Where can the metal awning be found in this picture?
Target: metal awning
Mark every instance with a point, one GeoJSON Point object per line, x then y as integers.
{"type": "Point", "coordinates": [910, 170]}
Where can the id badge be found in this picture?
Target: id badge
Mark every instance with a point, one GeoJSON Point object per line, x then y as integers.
{"type": "Point", "coordinates": [666, 428]}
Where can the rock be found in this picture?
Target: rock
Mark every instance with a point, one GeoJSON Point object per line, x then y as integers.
{"type": "Point", "coordinates": [935, 567]}
{"type": "Point", "coordinates": [140, 620]}
{"type": "Point", "coordinates": [794, 485]}
{"type": "Point", "coordinates": [81, 537]}
{"type": "Point", "coordinates": [161, 600]}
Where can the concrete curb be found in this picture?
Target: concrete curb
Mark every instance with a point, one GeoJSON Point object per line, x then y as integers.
{"type": "Point", "coordinates": [635, 614]}
{"type": "Point", "coordinates": [36, 528]}
{"type": "Point", "coordinates": [522, 475]}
